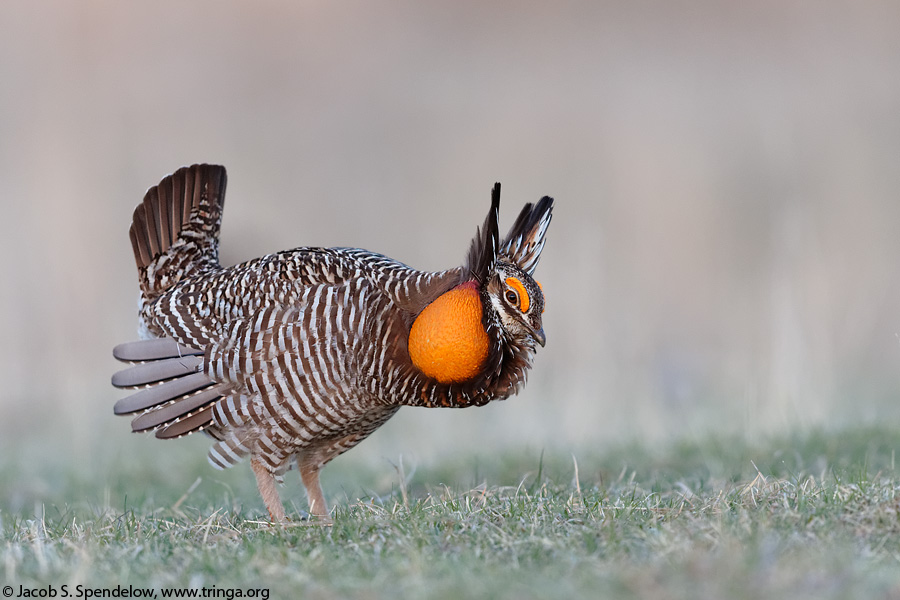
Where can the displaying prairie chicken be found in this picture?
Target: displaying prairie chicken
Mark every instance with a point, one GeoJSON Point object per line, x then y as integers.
{"type": "Point", "coordinates": [295, 357]}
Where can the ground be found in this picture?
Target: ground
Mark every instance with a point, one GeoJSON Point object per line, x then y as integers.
{"type": "Point", "coordinates": [803, 515]}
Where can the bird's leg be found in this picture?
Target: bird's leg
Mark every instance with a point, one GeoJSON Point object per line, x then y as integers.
{"type": "Point", "coordinates": [266, 483]}
{"type": "Point", "coordinates": [309, 473]}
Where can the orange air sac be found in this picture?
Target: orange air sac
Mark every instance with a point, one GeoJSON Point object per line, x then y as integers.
{"type": "Point", "coordinates": [447, 341]}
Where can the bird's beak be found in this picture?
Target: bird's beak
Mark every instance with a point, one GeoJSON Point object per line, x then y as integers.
{"type": "Point", "coordinates": [539, 336]}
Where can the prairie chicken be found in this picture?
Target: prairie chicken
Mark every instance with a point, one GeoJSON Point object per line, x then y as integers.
{"type": "Point", "coordinates": [296, 357]}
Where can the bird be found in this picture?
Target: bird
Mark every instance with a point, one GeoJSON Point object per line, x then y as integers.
{"type": "Point", "coordinates": [295, 357]}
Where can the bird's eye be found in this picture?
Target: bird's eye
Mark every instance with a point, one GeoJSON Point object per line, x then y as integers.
{"type": "Point", "coordinates": [517, 293]}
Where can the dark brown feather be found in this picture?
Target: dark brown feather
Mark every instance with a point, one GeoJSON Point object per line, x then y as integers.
{"type": "Point", "coordinates": [136, 247]}
{"type": "Point", "coordinates": [176, 208]}
{"type": "Point", "coordinates": [191, 196]}
{"type": "Point", "coordinates": [486, 244]}
{"type": "Point", "coordinates": [191, 193]}
{"type": "Point", "coordinates": [165, 223]}
{"type": "Point", "coordinates": [152, 222]}
{"type": "Point", "coordinates": [164, 415]}
{"type": "Point", "coordinates": [187, 425]}
{"type": "Point", "coordinates": [139, 236]}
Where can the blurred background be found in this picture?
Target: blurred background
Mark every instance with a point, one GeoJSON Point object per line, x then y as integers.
{"type": "Point", "coordinates": [724, 254]}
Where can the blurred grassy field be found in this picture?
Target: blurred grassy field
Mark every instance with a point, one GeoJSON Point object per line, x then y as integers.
{"type": "Point", "coordinates": [812, 515]}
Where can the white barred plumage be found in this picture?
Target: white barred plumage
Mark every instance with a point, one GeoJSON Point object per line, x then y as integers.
{"type": "Point", "coordinates": [295, 357]}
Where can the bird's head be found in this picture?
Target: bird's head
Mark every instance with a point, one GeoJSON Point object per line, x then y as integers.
{"type": "Point", "coordinates": [505, 268]}
{"type": "Point", "coordinates": [518, 301]}
{"type": "Point", "coordinates": [495, 310]}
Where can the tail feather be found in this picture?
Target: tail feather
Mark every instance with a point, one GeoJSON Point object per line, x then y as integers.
{"type": "Point", "coordinates": [143, 241]}
{"type": "Point", "coordinates": [174, 231]}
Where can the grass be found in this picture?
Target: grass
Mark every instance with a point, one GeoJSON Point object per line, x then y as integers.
{"type": "Point", "coordinates": [815, 515]}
